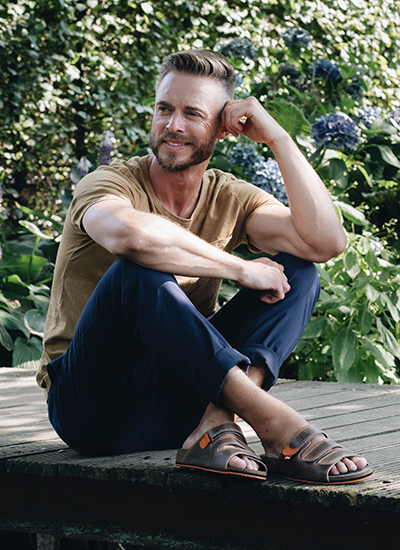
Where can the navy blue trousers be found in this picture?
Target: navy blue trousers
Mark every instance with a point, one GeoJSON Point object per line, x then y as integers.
{"type": "Point", "coordinates": [144, 363]}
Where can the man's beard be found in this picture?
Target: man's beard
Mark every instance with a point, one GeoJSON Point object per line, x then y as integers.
{"type": "Point", "coordinates": [201, 152]}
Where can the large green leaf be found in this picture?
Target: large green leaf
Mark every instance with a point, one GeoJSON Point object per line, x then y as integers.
{"type": "Point", "coordinates": [20, 265]}
{"type": "Point", "coordinates": [14, 285]}
{"type": "Point", "coordinates": [344, 351]}
{"type": "Point", "coordinates": [27, 353]}
{"type": "Point", "coordinates": [338, 171]}
{"type": "Point", "coordinates": [13, 320]}
{"type": "Point", "coordinates": [365, 320]}
{"type": "Point", "coordinates": [289, 116]}
{"type": "Point", "coordinates": [351, 213]}
{"type": "Point", "coordinates": [388, 155]}
{"type": "Point", "coordinates": [387, 302]}
{"type": "Point", "coordinates": [384, 358]}
{"type": "Point", "coordinates": [371, 293]}
{"type": "Point", "coordinates": [35, 321]}
{"type": "Point", "coordinates": [315, 327]}
{"type": "Point", "coordinates": [5, 338]}
{"type": "Point", "coordinates": [351, 264]}
{"type": "Point", "coordinates": [389, 340]}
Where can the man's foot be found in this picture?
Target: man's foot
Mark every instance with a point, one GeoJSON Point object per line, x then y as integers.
{"type": "Point", "coordinates": [310, 456]}
{"type": "Point", "coordinates": [216, 450]}
{"type": "Point", "coordinates": [274, 446]}
{"type": "Point", "coordinates": [274, 422]}
{"type": "Point", "coordinates": [213, 417]}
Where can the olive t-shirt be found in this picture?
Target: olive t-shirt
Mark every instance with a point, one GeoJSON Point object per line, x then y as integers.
{"type": "Point", "coordinates": [225, 205]}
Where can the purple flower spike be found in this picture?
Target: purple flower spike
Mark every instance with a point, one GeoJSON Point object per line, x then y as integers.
{"type": "Point", "coordinates": [106, 147]}
{"type": "Point", "coordinates": [84, 166]}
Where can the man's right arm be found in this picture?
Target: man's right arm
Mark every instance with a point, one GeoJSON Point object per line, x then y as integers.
{"type": "Point", "coordinates": [158, 243]}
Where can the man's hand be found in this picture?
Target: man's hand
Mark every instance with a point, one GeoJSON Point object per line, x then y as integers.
{"type": "Point", "coordinates": [248, 117]}
{"type": "Point", "coordinates": [268, 276]}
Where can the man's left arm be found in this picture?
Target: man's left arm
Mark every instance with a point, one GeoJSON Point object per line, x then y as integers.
{"type": "Point", "coordinates": [310, 227]}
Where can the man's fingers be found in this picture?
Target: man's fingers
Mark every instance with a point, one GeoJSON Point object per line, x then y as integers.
{"type": "Point", "coordinates": [269, 298]}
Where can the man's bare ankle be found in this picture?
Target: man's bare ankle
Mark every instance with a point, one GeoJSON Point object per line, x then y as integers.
{"type": "Point", "coordinates": [257, 374]}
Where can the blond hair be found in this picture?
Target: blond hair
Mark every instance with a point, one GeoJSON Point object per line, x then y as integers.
{"type": "Point", "coordinates": [204, 63]}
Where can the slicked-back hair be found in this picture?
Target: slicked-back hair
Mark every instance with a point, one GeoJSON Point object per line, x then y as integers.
{"type": "Point", "coordinates": [204, 63]}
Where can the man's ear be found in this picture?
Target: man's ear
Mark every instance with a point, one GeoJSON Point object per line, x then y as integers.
{"type": "Point", "coordinates": [223, 133]}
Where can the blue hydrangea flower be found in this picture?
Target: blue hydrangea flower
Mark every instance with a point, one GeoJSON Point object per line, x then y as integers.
{"type": "Point", "coordinates": [367, 115]}
{"type": "Point", "coordinates": [238, 80]}
{"type": "Point", "coordinates": [297, 38]}
{"type": "Point", "coordinates": [290, 70]}
{"type": "Point", "coordinates": [355, 88]}
{"type": "Point", "coordinates": [268, 177]}
{"type": "Point", "coordinates": [335, 132]}
{"type": "Point", "coordinates": [325, 69]}
{"type": "Point", "coordinates": [394, 117]}
{"type": "Point", "coordinates": [240, 88]}
{"type": "Point", "coordinates": [238, 48]}
{"type": "Point", "coordinates": [264, 174]}
{"type": "Point", "coordinates": [106, 147]}
{"type": "Point", "coordinates": [244, 156]}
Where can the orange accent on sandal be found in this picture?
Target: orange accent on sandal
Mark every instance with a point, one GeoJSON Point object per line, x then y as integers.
{"type": "Point", "coordinates": [205, 441]}
{"type": "Point", "coordinates": [288, 452]}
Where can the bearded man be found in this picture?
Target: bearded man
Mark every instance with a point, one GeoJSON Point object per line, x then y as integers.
{"type": "Point", "coordinates": [135, 357]}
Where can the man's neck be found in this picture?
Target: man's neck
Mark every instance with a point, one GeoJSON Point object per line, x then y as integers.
{"type": "Point", "coordinates": [178, 191]}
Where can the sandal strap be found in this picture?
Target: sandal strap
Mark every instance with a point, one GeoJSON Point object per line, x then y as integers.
{"type": "Point", "coordinates": [229, 435]}
{"type": "Point", "coordinates": [300, 440]}
{"type": "Point", "coordinates": [307, 459]}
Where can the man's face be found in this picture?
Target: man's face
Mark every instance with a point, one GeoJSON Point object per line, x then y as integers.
{"type": "Point", "coordinates": [186, 120]}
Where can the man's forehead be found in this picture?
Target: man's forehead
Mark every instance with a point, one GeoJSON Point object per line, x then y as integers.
{"type": "Point", "coordinates": [197, 87]}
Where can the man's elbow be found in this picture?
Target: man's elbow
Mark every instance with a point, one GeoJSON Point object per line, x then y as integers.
{"type": "Point", "coordinates": [332, 248]}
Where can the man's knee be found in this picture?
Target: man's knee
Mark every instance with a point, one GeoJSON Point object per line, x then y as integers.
{"type": "Point", "coordinates": [133, 277]}
{"type": "Point", "coordinates": [302, 274]}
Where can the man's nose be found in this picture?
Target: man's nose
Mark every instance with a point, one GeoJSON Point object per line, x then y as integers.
{"type": "Point", "coordinates": [176, 123]}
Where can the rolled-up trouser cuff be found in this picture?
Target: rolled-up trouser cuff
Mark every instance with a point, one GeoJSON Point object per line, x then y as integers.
{"type": "Point", "coordinates": [217, 370]}
{"type": "Point", "coordinates": [261, 355]}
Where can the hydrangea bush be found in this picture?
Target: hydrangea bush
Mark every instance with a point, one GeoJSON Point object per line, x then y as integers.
{"type": "Point", "coordinates": [355, 147]}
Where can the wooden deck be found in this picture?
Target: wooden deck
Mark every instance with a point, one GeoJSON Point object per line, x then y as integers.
{"type": "Point", "coordinates": [144, 500]}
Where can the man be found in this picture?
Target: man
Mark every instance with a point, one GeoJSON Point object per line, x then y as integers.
{"type": "Point", "coordinates": [134, 363]}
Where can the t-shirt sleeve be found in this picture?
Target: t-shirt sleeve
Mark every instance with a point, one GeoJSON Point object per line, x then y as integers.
{"type": "Point", "coordinates": [252, 199]}
{"type": "Point", "coordinates": [102, 184]}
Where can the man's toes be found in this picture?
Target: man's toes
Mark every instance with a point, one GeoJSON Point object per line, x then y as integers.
{"type": "Point", "coordinates": [243, 463]}
{"type": "Point", "coordinates": [360, 462]}
{"type": "Point", "coordinates": [348, 465]}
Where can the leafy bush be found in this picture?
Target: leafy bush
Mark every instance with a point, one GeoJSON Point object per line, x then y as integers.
{"type": "Point", "coordinates": [78, 85]}
{"type": "Point", "coordinates": [352, 336]}
{"type": "Point", "coordinates": [26, 269]}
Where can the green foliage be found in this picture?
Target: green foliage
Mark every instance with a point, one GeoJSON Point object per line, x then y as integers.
{"type": "Point", "coordinates": [72, 71]}
{"type": "Point", "coordinates": [26, 268]}
{"type": "Point", "coordinates": [353, 334]}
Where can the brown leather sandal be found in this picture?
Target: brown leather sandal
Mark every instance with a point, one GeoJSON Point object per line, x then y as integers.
{"type": "Point", "coordinates": [305, 459]}
{"type": "Point", "coordinates": [206, 454]}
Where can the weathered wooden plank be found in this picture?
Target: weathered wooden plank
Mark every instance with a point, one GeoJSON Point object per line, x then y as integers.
{"type": "Point", "coordinates": [39, 432]}
{"type": "Point", "coordinates": [345, 398]}
{"type": "Point", "coordinates": [30, 449]}
{"type": "Point", "coordinates": [363, 418]}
